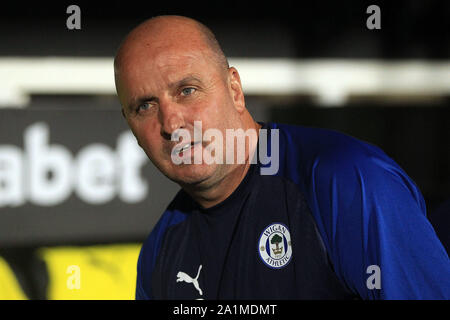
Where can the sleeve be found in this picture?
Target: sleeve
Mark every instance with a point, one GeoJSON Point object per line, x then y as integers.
{"type": "Point", "coordinates": [151, 249]}
{"type": "Point", "coordinates": [372, 218]}
{"type": "Point", "coordinates": [144, 270]}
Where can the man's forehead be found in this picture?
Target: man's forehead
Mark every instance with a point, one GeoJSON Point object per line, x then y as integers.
{"type": "Point", "coordinates": [165, 48]}
{"type": "Point", "coordinates": [169, 59]}
{"type": "Point", "coordinates": [168, 64]}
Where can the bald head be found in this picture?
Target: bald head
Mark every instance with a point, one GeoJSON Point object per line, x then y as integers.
{"type": "Point", "coordinates": [166, 32]}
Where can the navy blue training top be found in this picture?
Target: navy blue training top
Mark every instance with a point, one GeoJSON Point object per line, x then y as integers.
{"type": "Point", "coordinates": [339, 219]}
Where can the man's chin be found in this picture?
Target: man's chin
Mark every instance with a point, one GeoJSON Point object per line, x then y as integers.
{"type": "Point", "coordinates": [195, 175]}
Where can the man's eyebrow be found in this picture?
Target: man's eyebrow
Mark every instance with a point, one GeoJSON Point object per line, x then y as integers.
{"type": "Point", "coordinates": [186, 80]}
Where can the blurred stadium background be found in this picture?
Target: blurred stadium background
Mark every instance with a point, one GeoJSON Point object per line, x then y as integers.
{"type": "Point", "coordinates": [77, 195]}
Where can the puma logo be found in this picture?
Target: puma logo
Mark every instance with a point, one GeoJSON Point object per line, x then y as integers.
{"type": "Point", "coordinates": [181, 276]}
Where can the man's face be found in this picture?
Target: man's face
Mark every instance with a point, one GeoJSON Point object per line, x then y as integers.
{"type": "Point", "coordinates": [169, 90]}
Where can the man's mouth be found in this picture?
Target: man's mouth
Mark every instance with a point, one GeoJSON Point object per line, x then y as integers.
{"type": "Point", "coordinates": [181, 149]}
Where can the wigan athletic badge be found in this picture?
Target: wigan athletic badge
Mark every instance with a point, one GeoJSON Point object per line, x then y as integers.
{"type": "Point", "coordinates": [275, 247]}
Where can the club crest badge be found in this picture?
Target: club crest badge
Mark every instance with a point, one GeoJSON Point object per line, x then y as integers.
{"type": "Point", "coordinates": [275, 247]}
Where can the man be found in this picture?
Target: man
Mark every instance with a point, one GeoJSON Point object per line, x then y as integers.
{"type": "Point", "coordinates": [335, 218]}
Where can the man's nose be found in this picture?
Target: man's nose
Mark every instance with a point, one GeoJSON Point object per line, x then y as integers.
{"type": "Point", "coordinates": [171, 118]}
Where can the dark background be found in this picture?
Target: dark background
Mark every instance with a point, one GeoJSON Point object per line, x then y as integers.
{"type": "Point", "coordinates": [303, 29]}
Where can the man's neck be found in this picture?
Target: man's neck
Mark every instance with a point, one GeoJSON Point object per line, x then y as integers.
{"type": "Point", "coordinates": [210, 197]}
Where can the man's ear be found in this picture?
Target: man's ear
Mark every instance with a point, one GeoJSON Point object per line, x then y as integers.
{"type": "Point", "coordinates": [236, 89]}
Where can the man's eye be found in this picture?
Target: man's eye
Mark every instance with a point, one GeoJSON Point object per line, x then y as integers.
{"type": "Point", "coordinates": [143, 107]}
{"type": "Point", "coordinates": [187, 91]}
